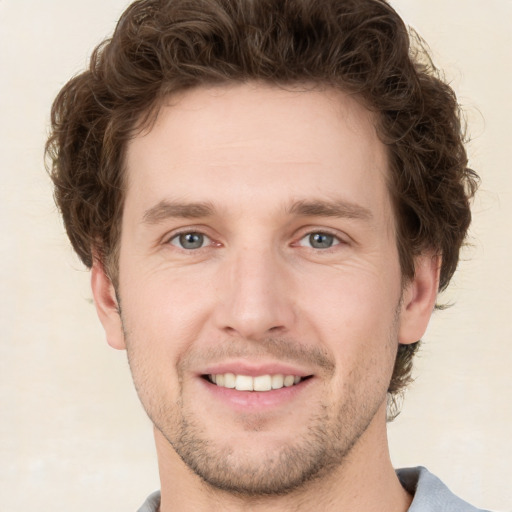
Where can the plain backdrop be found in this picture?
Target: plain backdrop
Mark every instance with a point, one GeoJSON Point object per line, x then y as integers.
{"type": "Point", "coordinates": [72, 433]}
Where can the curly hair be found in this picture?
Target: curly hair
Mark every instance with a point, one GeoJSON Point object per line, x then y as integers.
{"type": "Point", "coordinates": [362, 47]}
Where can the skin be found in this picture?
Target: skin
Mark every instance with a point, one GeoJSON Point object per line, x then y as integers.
{"type": "Point", "coordinates": [255, 171]}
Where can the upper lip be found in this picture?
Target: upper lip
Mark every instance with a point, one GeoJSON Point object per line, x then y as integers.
{"type": "Point", "coordinates": [253, 369]}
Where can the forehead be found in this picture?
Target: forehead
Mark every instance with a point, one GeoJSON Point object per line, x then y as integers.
{"type": "Point", "coordinates": [231, 143]}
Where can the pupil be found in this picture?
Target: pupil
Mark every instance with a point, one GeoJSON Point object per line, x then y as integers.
{"type": "Point", "coordinates": [191, 240]}
{"type": "Point", "coordinates": [321, 240]}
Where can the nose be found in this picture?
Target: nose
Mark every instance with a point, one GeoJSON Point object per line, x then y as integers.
{"type": "Point", "coordinates": [255, 295]}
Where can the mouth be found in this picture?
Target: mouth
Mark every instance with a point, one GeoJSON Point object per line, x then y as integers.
{"type": "Point", "coordinates": [256, 383]}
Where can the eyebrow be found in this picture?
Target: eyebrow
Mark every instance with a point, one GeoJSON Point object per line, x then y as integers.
{"type": "Point", "coordinates": [340, 208]}
{"type": "Point", "coordinates": [316, 208]}
{"type": "Point", "coordinates": [169, 209]}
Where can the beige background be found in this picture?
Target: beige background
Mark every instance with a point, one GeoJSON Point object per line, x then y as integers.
{"type": "Point", "coordinates": [72, 434]}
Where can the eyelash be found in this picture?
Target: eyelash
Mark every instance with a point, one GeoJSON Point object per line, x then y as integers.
{"type": "Point", "coordinates": [177, 237]}
{"type": "Point", "coordinates": [336, 240]}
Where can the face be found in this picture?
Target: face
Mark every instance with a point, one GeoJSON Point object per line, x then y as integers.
{"type": "Point", "coordinates": [259, 283]}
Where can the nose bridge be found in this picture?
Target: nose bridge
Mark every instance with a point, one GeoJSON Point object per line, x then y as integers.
{"type": "Point", "coordinates": [254, 298]}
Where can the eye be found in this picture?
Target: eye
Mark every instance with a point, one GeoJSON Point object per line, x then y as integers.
{"type": "Point", "coordinates": [189, 241]}
{"type": "Point", "coordinates": [319, 240]}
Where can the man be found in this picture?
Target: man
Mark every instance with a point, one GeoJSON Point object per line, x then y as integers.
{"type": "Point", "coordinates": [269, 195]}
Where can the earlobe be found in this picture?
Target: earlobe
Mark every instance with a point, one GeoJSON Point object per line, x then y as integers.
{"type": "Point", "coordinates": [107, 306]}
{"type": "Point", "coordinates": [418, 299]}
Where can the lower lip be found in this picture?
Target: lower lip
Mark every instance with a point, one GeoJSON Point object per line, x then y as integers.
{"type": "Point", "coordinates": [255, 400]}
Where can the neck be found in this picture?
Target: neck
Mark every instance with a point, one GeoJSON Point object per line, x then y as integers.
{"type": "Point", "coordinates": [364, 481]}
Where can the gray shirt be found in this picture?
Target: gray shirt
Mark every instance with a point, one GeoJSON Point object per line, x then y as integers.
{"type": "Point", "coordinates": [430, 494]}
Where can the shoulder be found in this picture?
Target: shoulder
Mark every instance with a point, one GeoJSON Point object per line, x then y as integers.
{"type": "Point", "coordinates": [430, 494]}
{"type": "Point", "coordinates": [152, 503]}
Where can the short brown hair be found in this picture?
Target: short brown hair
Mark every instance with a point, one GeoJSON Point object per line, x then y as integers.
{"type": "Point", "coordinates": [360, 46]}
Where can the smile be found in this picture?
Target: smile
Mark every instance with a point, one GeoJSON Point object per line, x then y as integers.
{"type": "Point", "coordinates": [258, 383]}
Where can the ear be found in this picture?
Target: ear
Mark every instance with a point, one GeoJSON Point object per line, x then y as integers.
{"type": "Point", "coordinates": [419, 298]}
{"type": "Point", "coordinates": [107, 306]}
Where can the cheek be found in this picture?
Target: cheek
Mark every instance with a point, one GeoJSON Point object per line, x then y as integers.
{"type": "Point", "coordinates": [163, 314]}
{"type": "Point", "coordinates": [345, 303]}
{"type": "Point", "coordinates": [356, 320]}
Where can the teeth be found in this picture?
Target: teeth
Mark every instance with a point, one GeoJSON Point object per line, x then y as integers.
{"type": "Point", "coordinates": [229, 380]}
{"type": "Point", "coordinates": [244, 383]}
{"type": "Point", "coordinates": [259, 383]}
{"type": "Point", "coordinates": [263, 383]}
{"type": "Point", "coordinates": [289, 380]}
{"type": "Point", "coordinates": [277, 381]}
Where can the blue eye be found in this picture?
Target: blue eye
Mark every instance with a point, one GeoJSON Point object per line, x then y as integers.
{"type": "Point", "coordinates": [319, 240]}
{"type": "Point", "coordinates": [190, 241]}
